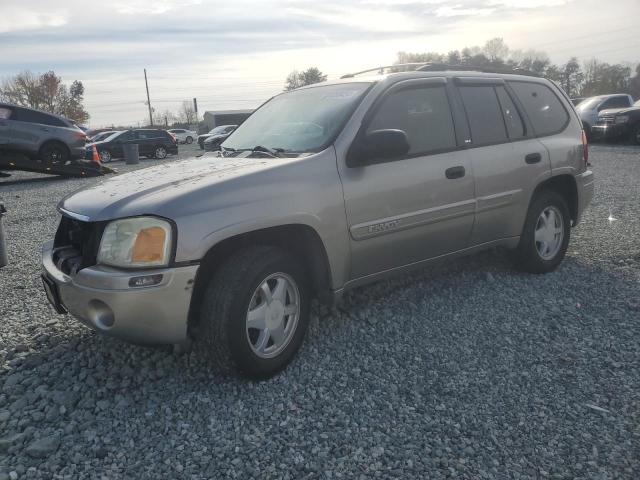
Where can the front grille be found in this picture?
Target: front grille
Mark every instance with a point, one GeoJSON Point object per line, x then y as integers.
{"type": "Point", "coordinates": [605, 120]}
{"type": "Point", "coordinates": [76, 244]}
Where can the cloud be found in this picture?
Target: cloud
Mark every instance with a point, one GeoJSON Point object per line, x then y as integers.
{"type": "Point", "coordinates": [14, 18]}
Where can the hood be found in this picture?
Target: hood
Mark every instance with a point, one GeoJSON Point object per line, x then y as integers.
{"type": "Point", "coordinates": [149, 191]}
{"type": "Point", "coordinates": [217, 136]}
{"type": "Point", "coordinates": [617, 111]}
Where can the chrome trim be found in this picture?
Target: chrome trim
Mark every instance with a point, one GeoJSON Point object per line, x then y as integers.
{"type": "Point", "coordinates": [76, 216]}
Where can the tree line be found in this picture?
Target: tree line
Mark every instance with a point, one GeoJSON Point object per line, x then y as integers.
{"type": "Point", "coordinates": [592, 77]}
{"type": "Point", "coordinates": [46, 92]}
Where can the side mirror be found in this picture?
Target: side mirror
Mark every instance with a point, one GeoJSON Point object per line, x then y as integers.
{"type": "Point", "coordinates": [378, 145]}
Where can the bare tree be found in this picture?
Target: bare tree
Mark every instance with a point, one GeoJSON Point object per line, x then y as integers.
{"type": "Point", "coordinates": [46, 92]}
{"type": "Point", "coordinates": [187, 113]}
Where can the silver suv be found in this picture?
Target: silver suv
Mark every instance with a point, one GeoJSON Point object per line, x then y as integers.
{"type": "Point", "coordinates": [50, 138]}
{"type": "Point", "coordinates": [321, 190]}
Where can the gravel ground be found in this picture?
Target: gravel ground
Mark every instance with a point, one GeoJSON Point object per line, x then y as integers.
{"type": "Point", "coordinates": [468, 370]}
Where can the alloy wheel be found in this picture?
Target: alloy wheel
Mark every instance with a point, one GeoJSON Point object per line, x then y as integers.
{"type": "Point", "coordinates": [272, 316]}
{"type": "Point", "coordinates": [549, 233]}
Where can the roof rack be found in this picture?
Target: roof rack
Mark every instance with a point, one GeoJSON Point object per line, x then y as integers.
{"type": "Point", "coordinates": [435, 67]}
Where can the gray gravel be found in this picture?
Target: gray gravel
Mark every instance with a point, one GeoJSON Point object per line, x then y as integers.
{"type": "Point", "coordinates": [468, 370]}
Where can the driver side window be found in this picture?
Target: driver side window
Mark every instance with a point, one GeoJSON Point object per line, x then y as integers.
{"type": "Point", "coordinates": [423, 113]}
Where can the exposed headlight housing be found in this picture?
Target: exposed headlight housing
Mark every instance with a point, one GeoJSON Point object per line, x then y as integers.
{"type": "Point", "coordinates": [136, 242]}
{"type": "Point", "coordinates": [622, 119]}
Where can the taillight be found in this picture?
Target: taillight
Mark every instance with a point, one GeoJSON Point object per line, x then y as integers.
{"type": "Point", "coordinates": [585, 149]}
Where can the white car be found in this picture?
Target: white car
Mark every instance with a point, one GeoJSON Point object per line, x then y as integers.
{"type": "Point", "coordinates": [183, 136]}
{"type": "Point", "coordinates": [589, 107]}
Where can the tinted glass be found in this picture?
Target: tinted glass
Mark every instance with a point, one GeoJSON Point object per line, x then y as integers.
{"type": "Point", "coordinates": [5, 113]}
{"type": "Point", "coordinates": [515, 127]}
{"type": "Point", "coordinates": [423, 114]}
{"type": "Point", "coordinates": [144, 134]}
{"type": "Point", "coordinates": [615, 102]}
{"type": "Point", "coordinates": [303, 120]}
{"type": "Point", "coordinates": [33, 116]}
{"type": "Point", "coordinates": [124, 136]}
{"type": "Point", "coordinates": [484, 114]}
{"type": "Point", "coordinates": [543, 107]}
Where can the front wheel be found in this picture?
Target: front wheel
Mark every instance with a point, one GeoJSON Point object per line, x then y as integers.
{"type": "Point", "coordinates": [546, 232]}
{"type": "Point", "coordinates": [105, 156]}
{"type": "Point", "coordinates": [160, 153]}
{"type": "Point", "coordinates": [189, 140]}
{"type": "Point", "coordinates": [255, 312]}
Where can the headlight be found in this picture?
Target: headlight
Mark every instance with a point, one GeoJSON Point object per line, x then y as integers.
{"type": "Point", "coordinates": [622, 119]}
{"type": "Point", "coordinates": [136, 242]}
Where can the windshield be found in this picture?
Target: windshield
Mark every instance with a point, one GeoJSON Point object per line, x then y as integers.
{"type": "Point", "coordinates": [299, 121]}
{"type": "Point", "coordinates": [111, 136]}
{"type": "Point", "coordinates": [218, 130]}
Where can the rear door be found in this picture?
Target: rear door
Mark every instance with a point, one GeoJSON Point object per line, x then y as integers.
{"type": "Point", "coordinates": [418, 206]}
{"type": "Point", "coordinates": [508, 161]}
{"type": "Point", "coordinates": [28, 129]}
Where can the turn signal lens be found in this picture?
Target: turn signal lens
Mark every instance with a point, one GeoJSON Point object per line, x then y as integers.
{"type": "Point", "coordinates": [149, 246]}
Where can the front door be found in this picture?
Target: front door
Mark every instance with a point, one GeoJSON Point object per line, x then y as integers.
{"type": "Point", "coordinates": [416, 207]}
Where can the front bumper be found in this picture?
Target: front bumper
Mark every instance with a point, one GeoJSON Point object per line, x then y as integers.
{"type": "Point", "coordinates": [609, 131]}
{"type": "Point", "coordinates": [100, 297]}
{"type": "Point", "coordinates": [585, 184]}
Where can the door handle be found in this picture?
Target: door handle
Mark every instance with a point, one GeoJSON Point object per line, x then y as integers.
{"type": "Point", "coordinates": [455, 172]}
{"type": "Point", "coordinates": [533, 158]}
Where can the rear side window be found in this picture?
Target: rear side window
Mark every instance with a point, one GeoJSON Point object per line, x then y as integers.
{"type": "Point", "coordinates": [512, 119]}
{"type": "Point", "coordinates": [615, 102]}
{"type": "Point", "coordinates": [145, 134]}
{"type": "Point", "coordinates": [5, 113]}
{"type": "Point", "coordinates": [33, 116]}
{"type": "Point", "coordinates": [543, 107]}
{"type": "Point", "coordinates": [484, 114]}
{"type": "Point", "coordinates": [423, 113]}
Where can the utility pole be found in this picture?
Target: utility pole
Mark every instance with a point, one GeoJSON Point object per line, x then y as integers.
{"type": "Point", "coordinates": [148, 100]}
{"type": "Point", "coordinates": [195, 107]}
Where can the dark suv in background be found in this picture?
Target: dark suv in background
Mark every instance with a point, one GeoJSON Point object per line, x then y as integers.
{"type": "Point", "coordinates": [152, 143]}
{"type": "Point", "coordinates": [42, 136]}
{"type": "Point", "coordinates": [618, 124]}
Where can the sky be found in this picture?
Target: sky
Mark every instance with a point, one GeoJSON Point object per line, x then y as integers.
{"type": "Point", "coordinates": [236, 54]}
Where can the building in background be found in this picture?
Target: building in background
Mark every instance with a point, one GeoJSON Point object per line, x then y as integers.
{"type": "Point", "coordinates": [225, 117]}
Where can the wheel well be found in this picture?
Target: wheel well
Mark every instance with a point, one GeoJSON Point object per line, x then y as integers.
{"type": "Point", "coordinates": [300, 240]}
{"type": "Point", "coordinates": [565, 185]}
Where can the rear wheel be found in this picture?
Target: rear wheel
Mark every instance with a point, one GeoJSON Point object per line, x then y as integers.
{"type": "Point", "coordinates": [255, 312]}
{"type": "Point", "coordinates": [546, 233]}
{"type": "Point", "coordinates": [54, 153]}
{"type": "Point", "coordinates": [189, 140]}
{"type": "Point", "coordinates": [160, 153]}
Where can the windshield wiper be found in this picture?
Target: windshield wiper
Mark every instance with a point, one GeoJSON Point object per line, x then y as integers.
{"type": "Point", "coordinates": [272, 152]}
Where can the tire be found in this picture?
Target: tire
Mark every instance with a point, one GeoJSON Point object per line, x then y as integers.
{"type": "Point", "coordinates": [542, 248]}
{"type": "Point", "coordinates": [224, 334]}
{"type": "Point", "coordinates": [105, 156]}
{"type": "Point", "coordinates": [189, 140]}
{"type": "Point", "coordinates": [54, 153]}
{"type": "Point", "coordinates": [635, 136]}
{"type": "Point", "coordinates": [160, 153]}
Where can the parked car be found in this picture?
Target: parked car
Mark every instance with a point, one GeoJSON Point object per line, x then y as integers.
{"type": "Point", "coordinates": [589, 108]}
{"type": "Point", "coordinates": [213, 143]}
{"type": "Point", "coordinates": [44, 137]}
{"type": "Point", "coordinates": [183, 136]}
{"type": "Point", "coordinates": [152, 143]}
{"type": "Point", "coordinates": [222, 131]}
{"type": "Point", "coordinates": [394, 172]}
{"type": "Point", "coordinates": [98, 137]}
{"type": "Point", "coordinates": [618, 124]}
